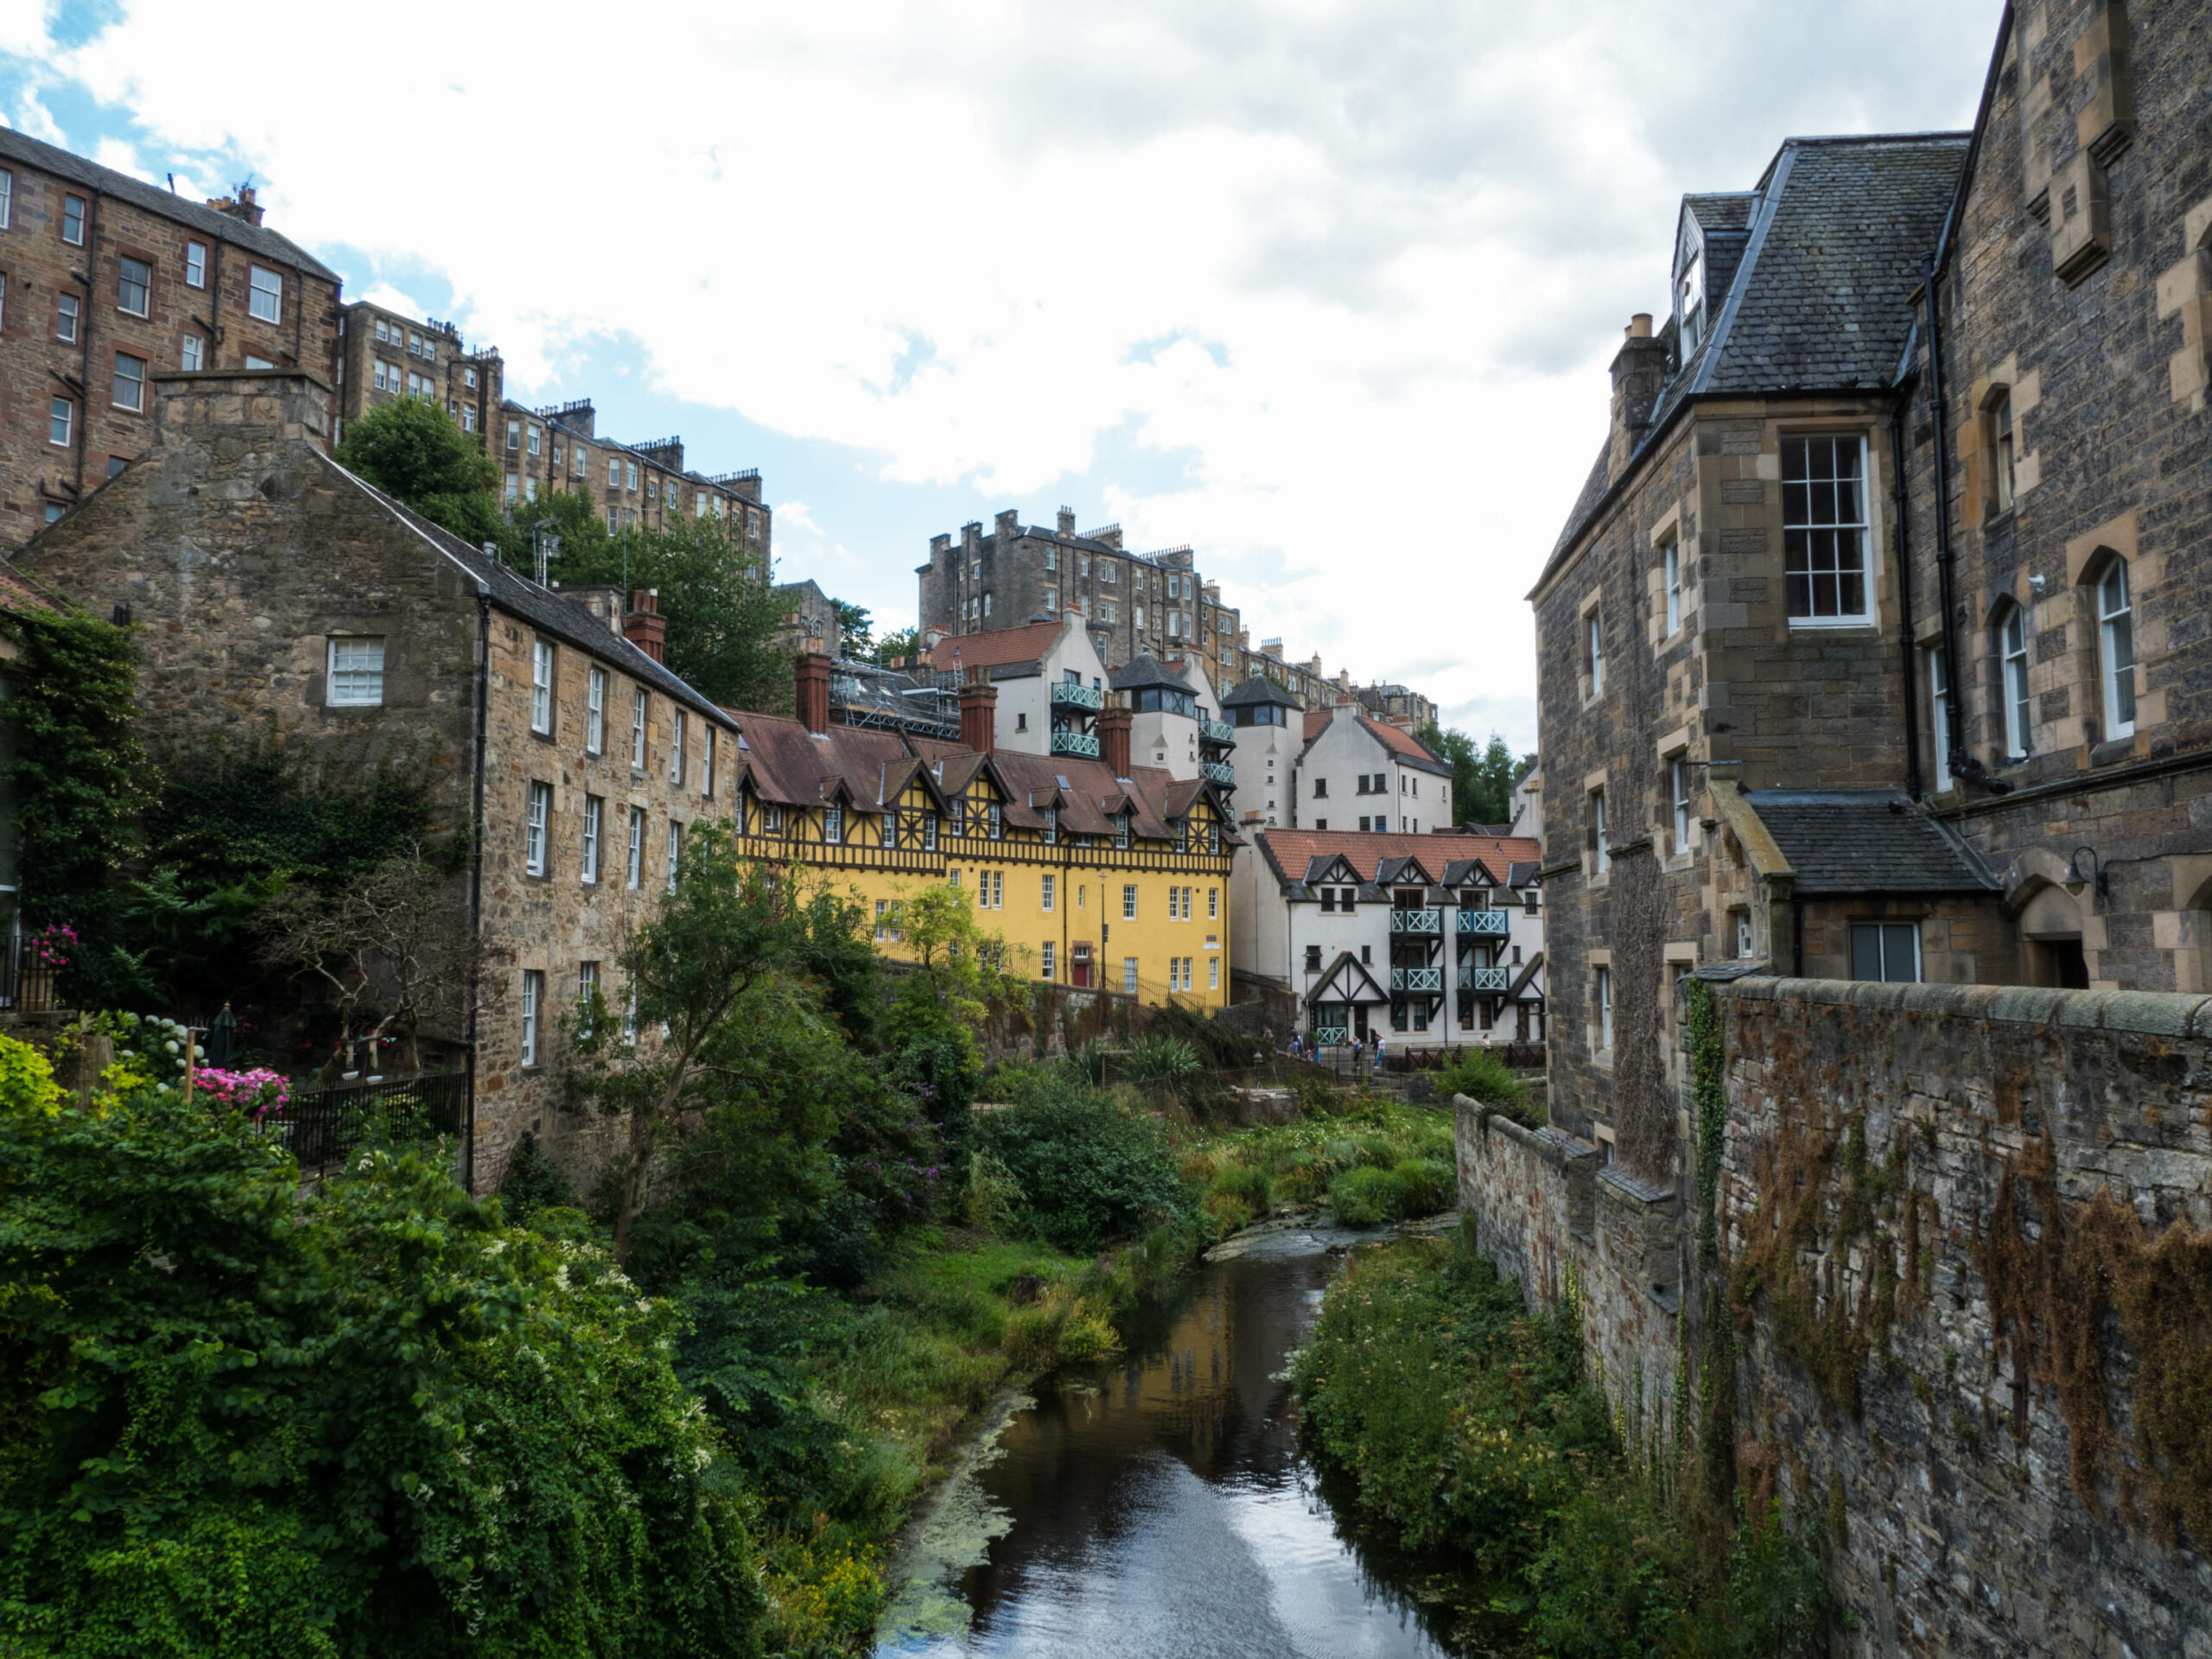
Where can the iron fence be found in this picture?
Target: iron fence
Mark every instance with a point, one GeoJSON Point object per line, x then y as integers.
{"type": "Point", "coordinates": [322, 1128]}
{"type": "Point", "coordinates": [26, 978]}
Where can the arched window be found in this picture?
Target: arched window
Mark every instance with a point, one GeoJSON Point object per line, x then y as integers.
{"type": "Point", "coordinates": [2012, 661]}
{"type": "Point", "coordinates": [1998, 416]}
{"type": "Point", "coordinates": [2116, 649]}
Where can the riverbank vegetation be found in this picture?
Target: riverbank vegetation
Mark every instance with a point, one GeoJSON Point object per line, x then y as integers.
{"type": "Point", "coordinates": [685, 1410]}
{"type": "Point", "coordinates": [1470, 1428]}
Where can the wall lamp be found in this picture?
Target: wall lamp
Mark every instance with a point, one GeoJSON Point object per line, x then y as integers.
{"type": "Point", "coordinates": [2076, 879]}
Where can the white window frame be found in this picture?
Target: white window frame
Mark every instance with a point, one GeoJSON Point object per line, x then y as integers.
{"type": "Point", "coordinates": [595, 712]}
{"type": "Point", "coordinates": [68, 317]}
{"type": "Point", "coordinates": [633, 867]}
{"type": "Point", "coordinates": [346, 683]}
{"type": "Point", "coordinates": [264, 294]}
{"type": "Point", "coordinates": [1048, 893]}
{"type": "Point", "coordinates": [541, 687]}
{"type": "Point", "coordinates": [75, 210]}
{"type": "Point", "coordinates": [253, 362]}
{"type": "Point", "coordinates": [191, 353]}
{"type": "Point", "coordinates": [676, 759]}
{"type": "Point", "coordinates": [675, 851]}
{"type": "Point", "coordinates": [1129, 902]}
{"type": "Point", "coordinates": [1129, 975]}
{"type": "Point", "coordinates": [1811, 523]}
{"type": "Point", "coordinates": [535, 827]}
{"type": "Point", "coordinates": [833, 826]}
{"type": "Point", "coordinates": [2000, 448]}
{"type": "Point", "coordinates": [1939, 712]}
{"type": "Point", "coordinates": [7, 198]}
{"type": "Point", "coordinates": [1600, 859]}
{"type": "Point", "coordinates": [637, 731]}
{"type": "Point", "coordinates": [1678, 780]}
{"type": "Point", "coordinates": [1602, 995]}
{"type": "Point", "coordinates": [123, 285]}
{"type": "Point", "coordinates": [136, 382]}
{"type": "Point", "coordinates": [1671, 561]}
{"type": "Point", "coordinates": [2115, 641]}
{"type": "Point", "coordinates": [195, 264]}
{"type": "Point", "coordinates": [2012, 682]}
{"type": "Point", "coordinates": [1593, 650]}
{"type": "Point", "coordinates": [594, 811]}
{"type": "Point", "coordinates": [706, 784]}
{"type": "Point", "coordinates": [1046, 961]}
{"type": "Point", "coordinates": [533, 997]}
{"type": "Point", "coordinates": [63, 412]}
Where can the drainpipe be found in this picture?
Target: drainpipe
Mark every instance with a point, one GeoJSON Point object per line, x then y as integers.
{"type": "Point", "coordinates": [476, 850]}
{"type": "Point", "coordinates": [85, 349]}
{"type": "Point", "coordinates": [1959, 757]}
{"type": "Point", "coordinates": [1904, 597]}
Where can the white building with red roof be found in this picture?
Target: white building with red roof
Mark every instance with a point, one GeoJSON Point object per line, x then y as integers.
{"type": "Point", "coordinates": [1428, 940]}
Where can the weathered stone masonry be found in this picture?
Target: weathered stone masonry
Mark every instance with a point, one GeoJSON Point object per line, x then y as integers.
{"type": "Point", "coordinates": [1918, 1135]}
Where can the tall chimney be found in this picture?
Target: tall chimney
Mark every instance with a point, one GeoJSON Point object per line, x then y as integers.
{"type": "Point", "coordinates": [646, 628]}
{"type": "Point", "coordinates": [814, 692]}
{"type": "Point", "coordinates": [979, 713]}
{"type": "Point", "coordinates": [1067, 521]}
{"type": "Point", "coordinates": [1639, 372]}
{"type": "Point", "coordinates": [242, 206]}
{"type": "Point", "coordinates": [1114, 725]}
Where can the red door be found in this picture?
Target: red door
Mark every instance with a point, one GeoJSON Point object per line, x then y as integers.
{"type": "Point", "coordinates": [1080, 967]}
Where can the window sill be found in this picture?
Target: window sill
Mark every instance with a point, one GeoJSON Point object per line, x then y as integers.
{"type": "Point", "coordinates": [2112, 750]}
{"type": "Point", "coordinates": [1832, 624]}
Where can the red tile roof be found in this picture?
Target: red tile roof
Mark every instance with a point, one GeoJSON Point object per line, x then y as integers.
{"type": "Point", "coordinates": [1291, 852]}
{"type": "Point", "coordinates": [995, 647]}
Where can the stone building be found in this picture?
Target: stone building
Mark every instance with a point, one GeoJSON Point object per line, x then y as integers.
{"type": "Point", "coordinates": [1872, 648]}
{"type": "Point", "coordinates": [105, 282]}
{"type": "Point", "coordinates": [385, 355]}
{"type": "Point", "coordinates": [1430, 940]}
{"type": "Point", "coordinates": [638, 485]}
{"type": "Point", "coordinates": [2061, 696]}
{"type": "Point", "coordinates": [280, 599]}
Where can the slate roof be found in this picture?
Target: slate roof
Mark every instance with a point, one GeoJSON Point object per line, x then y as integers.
{"type": "Point", "coordinates": [1257, 690]}
{"type": "Point", "coordinates": [29, 152]}
{"type": "Point", "coordinates": [546, 611]}
{"type": "Point", "coordinates": [1146, 672]}
{"type": "Point", "coordinates": [1297, 856]}
{"type": "Point", "coordinates": [1851, 841]}
{"type": "Point", "coordinates": [1839, 232]}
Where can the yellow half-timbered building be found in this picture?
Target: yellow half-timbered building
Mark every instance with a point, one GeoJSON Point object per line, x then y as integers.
{"type": "Point", "coordinates": [1097, 875]}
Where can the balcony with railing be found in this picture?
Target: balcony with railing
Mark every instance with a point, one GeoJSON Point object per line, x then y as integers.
{"type": "Point", "coordinates": [1427, 924]}
{"type": "Point", "coordinates": [1417, 979]}
{"type": "Point", "coordinates": [1328, 1034]}
{"type": "Point", "coordinates": [1494, 981]}
{"type": "Point", "coordinates": [1217, 771]}
{"type": "Point", "coordinates": [1066, 694]}
{"type": "Point", "coordinates": [1218, 733]}
{"type": "Point", "coordinates": [1482, 923]}
{"type": "Point", "coordinates": [1082, 743]}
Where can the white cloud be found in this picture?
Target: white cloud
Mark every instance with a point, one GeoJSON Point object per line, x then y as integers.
{"type": "Point", "coordinates": [1389, 242]}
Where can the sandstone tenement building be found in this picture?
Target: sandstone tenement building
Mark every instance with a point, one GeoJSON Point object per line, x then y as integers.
{"type": "Point", "coordinates": [1868, 650]}
{"type": "Point", "coordinates": [105, 282]}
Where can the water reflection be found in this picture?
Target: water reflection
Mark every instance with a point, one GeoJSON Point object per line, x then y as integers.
{"type": "Point", "coordinates": [1156, 1505]}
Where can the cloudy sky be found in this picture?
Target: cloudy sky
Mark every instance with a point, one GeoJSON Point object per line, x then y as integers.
{"type": "Point", "coordinates": [1325, 287]}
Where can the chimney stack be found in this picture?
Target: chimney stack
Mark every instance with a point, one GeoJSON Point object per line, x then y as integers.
{"type": "Point", "coordinates": [242, 206]}
{"type": "Point", "coordinates": [1114, 723]}
{"type": "Point", "coordinates": [207, 405]}
{"type": "Point", "coordinates": [646, 628]}
{"type": "Point", "coordinates": [1639, 372]}
{"type": "Point", "coordinates": [979, 713]}
{"type": "Point", "coordinates": [814, 692]}
{"type": "Point", "coordinates": [1067, 521]}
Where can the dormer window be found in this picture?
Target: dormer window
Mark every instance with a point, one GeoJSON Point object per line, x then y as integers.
{"type": "Point", "coordinates": [1690, 290]}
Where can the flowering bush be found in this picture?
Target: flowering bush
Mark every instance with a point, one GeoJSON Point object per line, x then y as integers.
{"type": "Point", "coordinates": [53, 946]}
{"type": "Point", "coordinates": [260, 1091]}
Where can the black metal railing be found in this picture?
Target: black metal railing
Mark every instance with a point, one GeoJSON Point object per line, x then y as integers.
{"type": "Point", "coordinates": [27, 979]}
{"type": "Point", "coordinates": [324, 1127]}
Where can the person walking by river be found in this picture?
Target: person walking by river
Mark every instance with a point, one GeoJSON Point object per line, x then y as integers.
{"type": "Point", "coordinates": [1378, 1054]}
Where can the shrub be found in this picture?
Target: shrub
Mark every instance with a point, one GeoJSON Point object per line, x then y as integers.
{"type": "Point", "coordinates": [532, 1182]}
{"type": "Point", "coordinates": [1163, 1063]}
{"type": "Point", "coordinates": [1365, 1197]}
{"type": "Point", "coordinates": [1482, 1076]}
{"type": "Point", "coordinates": [1425, 1186]}
{"type": "Point", "coordinates": [1242, 1181]}
{"type": "Point", "coordinates": [1088, 1170]}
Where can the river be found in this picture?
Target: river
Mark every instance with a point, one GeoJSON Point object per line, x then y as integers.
{"type": "Point", "coordinates": [1156, 1504]}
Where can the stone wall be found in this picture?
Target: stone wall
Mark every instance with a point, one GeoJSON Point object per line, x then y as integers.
{"type": "Point", "coordinates": [1904, 1166]}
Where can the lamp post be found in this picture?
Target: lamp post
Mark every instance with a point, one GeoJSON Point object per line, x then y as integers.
{"type": "Point", "coordinates": [2095, 877]}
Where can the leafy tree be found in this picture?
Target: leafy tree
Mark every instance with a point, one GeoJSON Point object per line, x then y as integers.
{"type": "Point", "coordinates": [1481, 780]}
{"type": "Point", "coordinates": [858, 630]}
{"type": "Point", "coordinates": [901, 643]}
{"type": "Point", "coordinates": [410, 448]}
{"type": "Point", "coordinates": [724, 618]}
{"type": "Point", "coordinates": [81, 779]}
{"type": "Point", "coordinates": [380, 1421]}
{"type": "Point", "coordinates": [1087, 1170]}
{"type": "Point", "coordinates": [686, 1040]}
{"type": "Point", "coordinates": [943, 999]}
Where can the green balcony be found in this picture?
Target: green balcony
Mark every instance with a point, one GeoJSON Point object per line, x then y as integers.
{"type": "Point", "coordinates": [1067, 694]}
{"type": "Point", "coordinates": [1482, 923]}
{"type": "Point", "coordinates": [1082, 743]}
{"type": "Point", "coordinates": [1219, 733]}
{"type": "Point", "coordinates": [1418, 924]}
{"type": "Point", "coordinates": [1326, 1035]}
{"type": "Point", "coordinates": [1494, 981]}
{"type": "Point", "coordinates": [1218, 772]}
{"type": "Point", "coordinates": [1417, 979]}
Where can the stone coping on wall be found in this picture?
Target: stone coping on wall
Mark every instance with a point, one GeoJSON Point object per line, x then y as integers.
{"type": "Point", "coordinates": [1644, 1192]}
{"type": "Point", "coordinates": [2164, 1014]}
{"type": "Point", "coordinates": [1554, 1147]}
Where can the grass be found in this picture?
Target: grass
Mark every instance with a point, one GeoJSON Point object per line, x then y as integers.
{"type": "Point", "coordinates": [1372, 1159]}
